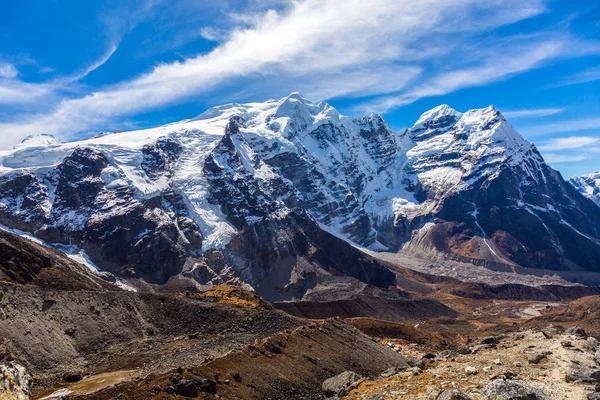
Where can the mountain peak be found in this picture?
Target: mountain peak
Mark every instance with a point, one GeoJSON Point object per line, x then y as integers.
{"type": "Point", "coordinates": [43, 139]}
{"type": "Point", "coordinates": [436, 113]}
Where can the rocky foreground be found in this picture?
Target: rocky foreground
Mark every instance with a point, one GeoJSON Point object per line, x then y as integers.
{"type": "Point", "coordinates": [531, 364]}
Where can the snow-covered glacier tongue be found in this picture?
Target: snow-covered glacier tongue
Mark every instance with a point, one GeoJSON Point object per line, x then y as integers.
{"type": "Point", "coordinates": [280, 195]}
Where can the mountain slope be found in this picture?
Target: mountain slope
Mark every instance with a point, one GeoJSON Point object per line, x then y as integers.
{"type": "Point", "coordinates": [272, 194]}
{"type": "Point", "coordinates": [588, 185]}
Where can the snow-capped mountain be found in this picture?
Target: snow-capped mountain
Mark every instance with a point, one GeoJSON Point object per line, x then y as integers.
{"type": "Point", "coordinates": [263, 192]}
{"type": "Point", "coordinates": [589, 186]}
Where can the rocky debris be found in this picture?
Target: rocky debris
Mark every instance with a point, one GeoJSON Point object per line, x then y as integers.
{"type": "Point", "coordinates": [341, 384]}
{"type": "Point", "coordinates": [512, 390]}
{"type": "Point", "coordinates": [453, 394]}
{"type": "Point", "coordinates": [15, 382]}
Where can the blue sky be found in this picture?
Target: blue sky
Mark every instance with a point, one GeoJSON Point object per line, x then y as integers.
{"type": "Point", "coordinates": [75, 68]}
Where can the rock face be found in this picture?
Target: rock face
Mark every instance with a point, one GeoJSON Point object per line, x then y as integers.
{"type": "Point", "coordinates": [588, 185]}
{"type": "Point", "coordinates": [271, 193]}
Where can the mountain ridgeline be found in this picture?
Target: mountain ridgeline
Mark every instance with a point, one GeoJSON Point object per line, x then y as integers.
{"type": "Point", "coordinates": [280, 196]}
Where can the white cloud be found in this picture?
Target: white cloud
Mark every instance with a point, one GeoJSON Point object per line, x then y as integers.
{"type": "Point", "coordinates": [8, 71]}
{"type": "Point", "coordinates": [532, 113]}
{"type": "Point", "coordinates": [561, 158]}
{"type": "Point", "coordinates": [568, 143]}
{"type": "Point", "coordinates": [574, 125]}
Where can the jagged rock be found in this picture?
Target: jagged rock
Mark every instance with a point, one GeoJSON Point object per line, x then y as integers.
{"type": "Point", "coordinates": [341, 384]}
{"type": "Point", "coordinates": [453, 394]}
{"type": "Point", "coordinates": [593, 396]}
{"type": "Point", "coordinates": [511, 390]}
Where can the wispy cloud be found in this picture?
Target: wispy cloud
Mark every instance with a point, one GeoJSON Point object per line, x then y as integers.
{"type": "Point", "coordinates": [581, 77]}
{"type": "Point", "coordinates": [573, 125]}
{"type": "Point", "coordinates": [569, 143]}
{"type": "Point", "coordinates": [532, 113]}
{"type": "Point", "coordinates": [562, 158]}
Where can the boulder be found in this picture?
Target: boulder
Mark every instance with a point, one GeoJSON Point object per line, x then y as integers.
{"type": "Point", "coordinates": [576, 331]}
{"type": "Point", "coordinates": [341, 384]}
{"type": "Point", "coordinates": [187, 388]}
{"type": "Point", "coordinates": [511, 390]}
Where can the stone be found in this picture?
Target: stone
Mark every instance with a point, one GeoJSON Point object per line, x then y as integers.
{"type": "Point", "coordinates": [597, 356]}
{"type": "Point", "coordinates": [236, 376]}
{"type": "Point", "coordinates": [497, 361]}
{"type": "Point", "coordinates": [187, 388]}
{"type": "Point", "coordinates": [469, 370]}
{"type": "Point", "coordinates": [537, 358]}
{"type": "Point", "coordinates": [391, 372]}
{"type": "Point", "coordinates": [206, 385]}
{"type": "Point", "coordinates": [586, 376]}
{"type": "Point", "coordinates": [341, 384]}
{"type": "Point", "coordinates": [453, 394]}
{"type": "Point", "coordinates": [490, 340]}
{"type": "Point", "coordinates": [511, 390]}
